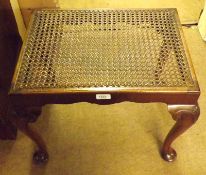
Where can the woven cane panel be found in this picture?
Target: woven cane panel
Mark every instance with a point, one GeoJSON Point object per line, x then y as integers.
{"type": "Point", "coordinates": [104, 48]}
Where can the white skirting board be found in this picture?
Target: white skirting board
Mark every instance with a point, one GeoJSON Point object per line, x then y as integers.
{"type": "Point", "coordinates": [202, 24]}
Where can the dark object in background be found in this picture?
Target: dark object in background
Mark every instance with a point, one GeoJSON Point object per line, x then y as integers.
{"type": "Point", "coordinates": [10, 43]}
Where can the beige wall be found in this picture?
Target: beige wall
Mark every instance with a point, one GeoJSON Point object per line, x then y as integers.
{"type": "Point", "coordinates": [185, 12]}
{"type": "Point", "coordinates": [202, 24]}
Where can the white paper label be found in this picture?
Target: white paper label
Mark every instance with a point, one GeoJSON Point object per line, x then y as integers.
{"type": "Point", "coordinates": [103, 96]}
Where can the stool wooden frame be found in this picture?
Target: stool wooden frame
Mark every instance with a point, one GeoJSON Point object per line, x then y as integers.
{"type": "Point", "coordinates": [27, 103]}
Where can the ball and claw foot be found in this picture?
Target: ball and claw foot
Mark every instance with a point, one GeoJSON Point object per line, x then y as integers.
{"type": "Point", "coordinates": [169, 156]}
{"type": "Point", "coordinates": [40, 157]}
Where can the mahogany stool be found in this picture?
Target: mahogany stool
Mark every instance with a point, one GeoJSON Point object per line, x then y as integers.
{"type": "Point", "coordinates": [104, 56]}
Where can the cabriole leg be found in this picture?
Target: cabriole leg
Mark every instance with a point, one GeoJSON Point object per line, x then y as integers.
{"type": "Point", "coordinates": [21, 117]}
{"type": "Point", "coordinates": [185, 116]}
